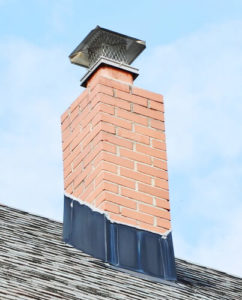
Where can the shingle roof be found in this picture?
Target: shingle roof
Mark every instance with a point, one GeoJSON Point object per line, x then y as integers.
{"type": "Point", "coordinates": [36, 264]}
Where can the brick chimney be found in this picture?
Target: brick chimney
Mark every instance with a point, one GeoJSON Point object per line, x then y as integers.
{"type": "Point", "coordinates": [116, 205]}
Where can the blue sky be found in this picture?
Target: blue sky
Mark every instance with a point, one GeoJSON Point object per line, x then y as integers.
{"type": "Point", "coordinates": [193, 58]}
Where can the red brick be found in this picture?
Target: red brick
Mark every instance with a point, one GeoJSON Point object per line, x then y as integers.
{"type": "Point", "coordinates": [68, 161]}
{"type": "Point", "coordinates": [118, 160]}
{"type": "Point", "coordinates": [85, 196]}
{"type": "Point", "coordinates": [135, 156]}
{"type": "Point", "coordinates": [122, 201]}
{"type": "Point", "coordinates": [162, 203]}
{"type": "Point", "coordinates": [109, 147]}
{"type": "Point", "coordinates": [157, 124]}
{"type": "Point", "coordinates": [84, 103]}
{"type": "Point", "coordinates": [69, 190]}
{"type": "Point", "coordinates": [156, 105]}
{"type": "Point", "coordinates": [119, 180]}
{"type": "Point", "coordinates": [133, 136]}
{"type": "Point", "coordinates": [79, 100]}
{"type": "Point", "coordinates": [78, 191]}
{"type": "Point", "coordinates": [98, 200]}
{"type": "Point", "coordinates": [65, 124]}
{"type": "Point", "coordinates": [121, 219]}
{"type": "Point", "coordinates": [94, 195]}
{"type": "Point", "coordinates": [113, 120]}
{"type": "Point", "coordinates": [110, 73]}
{"type": "Point", "coordinates": [78, 157]}
{"type": "Point", "coordinates": [80, 176]}
{"type": "Point", "coordinates": [135, 175]}
{"type": "Point", "coordinates": [110, 207]}
{"type": "Point", "coordinates": [101, 126]}
{"type": "Point", "coordinates": [102, 166]}
{"type": "Point", "coordinates": [69, 139]}
{"type": "Point", "coordinates": [66, 153]}
{"type": "Point", "coordinates": [147, 94]}
{"type": "Point", "coordinates": [64, 115]}
{"type": "Point", "coordinates": [114, 84]}
{"type": "Point", "coordinates": [160, 164]}
{"type": "Point", "coordinates": [111, 101]}
{"type": "Point", "coordinates": [75, 124]}
{"type": "Point", "coordinates": [99, 179]}
{"type": "Point", "coordinates": [136, 195]}
{"type": "Point", "coordinates": [161, 183]}
{"type": "Point", "coordinates": [163, 223]}
{"type": "Point", "coordinates": [100, 88]}
{"type": "Point", "coordinates": [69, 179]}
{"type": "Point", "coordinates": [110, 187]}
{"type": "Point", "coordinates": [132, 117]}
{"type": "Point", "coordinates": [89, 113]}
{"type": "Point", "coordinates": [80, 137]}
{"type": "Point", "coordinates": [109, 167]}
{"type": "Point", "coordinates": [150, 132]}
{"type": "Point", "coordinates": [150, 151]}
{"type": "Point", "coordinates": [147, 227]}
{"type": "Point", "coordinates": [109, 109]}
{"type": "Point", "coordinates": [153, 191]}
{"type": "Point", "coordinates": [100, 189]}
{"type": "Point", "coordinates": [100, 137]}
{"type": "Point", "coordinates": [131, 98]}
{"type": "Point", "coordinates": [137, 216]}
{"type": "Point", "coordinates": [74, 113]}
{"type": "Point", "coordinates": [67, 171]}
{"type": "Point", "coordinates": [148, 112]}
{"type": "Point", "coordinates": [152, 171]}
{"type": "Point", "coordinates": [154, 211]}
{"type": "Point", "coordinates": [113, 139]}
{"type": "Point", "coordinates": [159, 145]}
{"type": "Point", "coordinates": [90, 156]}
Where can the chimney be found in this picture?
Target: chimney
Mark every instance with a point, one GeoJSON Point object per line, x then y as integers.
{"type": "Point", "coordinates": [116, 204]}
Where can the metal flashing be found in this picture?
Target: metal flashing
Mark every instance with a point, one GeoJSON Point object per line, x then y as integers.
{"type": "Point", "coordinates": [120, 245]}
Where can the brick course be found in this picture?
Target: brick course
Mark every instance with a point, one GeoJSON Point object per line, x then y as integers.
{"type": "Point", "coordinates": [114, 151]}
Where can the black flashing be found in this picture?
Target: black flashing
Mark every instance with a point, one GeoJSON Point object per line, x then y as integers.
{"type": "Point", "coordinates": [120, 245]}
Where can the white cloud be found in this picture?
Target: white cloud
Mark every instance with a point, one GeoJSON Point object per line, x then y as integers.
{"type": "Point", "coordinates": [200, 76]}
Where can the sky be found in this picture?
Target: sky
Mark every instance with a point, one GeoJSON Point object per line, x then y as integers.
{"type": "Point", "coordinates": [193, 57]}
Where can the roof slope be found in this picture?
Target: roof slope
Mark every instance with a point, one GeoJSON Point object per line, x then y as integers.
{"type": "Point", "coordinates": [36, 264]}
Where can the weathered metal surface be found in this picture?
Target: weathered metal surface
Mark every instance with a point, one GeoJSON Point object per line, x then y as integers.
{"type": "Point", "coordinates": [120, 245]}
{"type": "Point", "coordinates": [101, 42]}
{"type": "Point", "coordinates": [36, 264]}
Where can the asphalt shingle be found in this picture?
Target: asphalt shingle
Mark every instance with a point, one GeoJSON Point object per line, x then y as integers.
{"type": "Point", "coordinates": [36, 264]}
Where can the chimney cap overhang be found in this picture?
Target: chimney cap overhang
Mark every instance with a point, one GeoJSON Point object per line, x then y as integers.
{"type": "Point", "coordinates": [106, 43]}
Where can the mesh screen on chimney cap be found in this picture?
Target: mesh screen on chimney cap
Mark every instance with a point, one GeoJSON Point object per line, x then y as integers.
{"type": "Point", "coordinates": [107, 43]}
{"type": "Point", "coordinates": [103, 46]}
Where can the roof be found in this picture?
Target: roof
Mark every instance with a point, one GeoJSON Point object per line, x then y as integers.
{"type": "Point", "coordinates": [36, 264]}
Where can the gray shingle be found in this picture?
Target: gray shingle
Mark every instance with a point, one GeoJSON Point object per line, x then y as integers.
{"type": "Point", "coordinates": [36, 264]}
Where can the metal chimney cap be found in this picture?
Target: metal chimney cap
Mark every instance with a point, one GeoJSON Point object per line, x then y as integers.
{"type": "Point", "coordinates": [101, 42]}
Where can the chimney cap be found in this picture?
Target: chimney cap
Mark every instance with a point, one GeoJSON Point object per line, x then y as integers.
{"type": "Point", "coordinates": [101, 42]}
